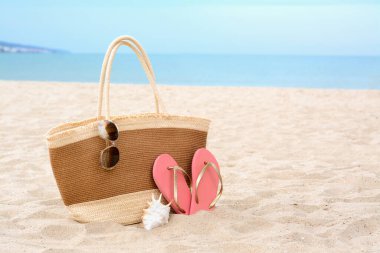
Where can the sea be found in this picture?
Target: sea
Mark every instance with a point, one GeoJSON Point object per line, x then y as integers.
{"type": "Point", "coordinates": [347, 72]}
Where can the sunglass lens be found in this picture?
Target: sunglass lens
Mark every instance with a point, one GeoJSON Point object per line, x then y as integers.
{"type": "Point", "coordinates": [108, 130]}
{"type": "Point", "coordinates": [109, 157]}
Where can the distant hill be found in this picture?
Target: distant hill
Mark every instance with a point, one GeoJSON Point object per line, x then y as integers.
{"type": "Point", "coordinates": [6, 47]}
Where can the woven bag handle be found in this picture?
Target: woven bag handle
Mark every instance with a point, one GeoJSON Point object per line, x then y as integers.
{"type": "Point", "coordinates": [144, 60]}
{"type": "Point", "coordinates": [104, 82]}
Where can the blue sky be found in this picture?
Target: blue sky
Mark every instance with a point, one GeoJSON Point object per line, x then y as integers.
{"type": "Point", "coordinates": [213, 27]}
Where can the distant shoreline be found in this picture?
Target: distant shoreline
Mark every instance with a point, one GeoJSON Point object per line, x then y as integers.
{"type": "Point", "coordinates": [13, 48]}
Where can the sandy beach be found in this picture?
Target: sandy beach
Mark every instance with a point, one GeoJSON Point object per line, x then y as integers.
{"type": "Point", "coordinates": [301, 170]}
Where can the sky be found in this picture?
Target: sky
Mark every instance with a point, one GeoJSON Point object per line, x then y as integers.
{"type": "Point", "coordinates": [270, 27]}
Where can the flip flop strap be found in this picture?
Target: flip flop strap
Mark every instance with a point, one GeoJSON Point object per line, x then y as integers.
{"type": "Point", "coordinates": [175, 169]}
{"type": "Point", "coordinates": [200, 176]}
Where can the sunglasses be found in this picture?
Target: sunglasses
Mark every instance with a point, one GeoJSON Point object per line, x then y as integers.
{"type": "Point", "coordinates": [109, 156]}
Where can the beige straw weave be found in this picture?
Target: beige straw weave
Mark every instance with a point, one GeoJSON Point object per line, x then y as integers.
{"type": "Point", "coordinates": [94, 194]}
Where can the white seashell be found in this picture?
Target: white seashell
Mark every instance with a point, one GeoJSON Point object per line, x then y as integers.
{"type": "Point", "coordinates": [157, 214]}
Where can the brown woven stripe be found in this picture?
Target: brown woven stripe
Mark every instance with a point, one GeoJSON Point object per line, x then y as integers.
{"type": "Point", "coordinates": [80, 178]}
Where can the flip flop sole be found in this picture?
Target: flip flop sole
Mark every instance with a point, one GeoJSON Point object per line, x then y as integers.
{"type": "Point", "coordinates": [208, 186]}
{"type": "Point", "coordinates": [164, 179]}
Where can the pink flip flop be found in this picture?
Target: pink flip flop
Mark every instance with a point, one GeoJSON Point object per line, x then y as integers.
{"type": "Point", "coordinates": [207, 182]}
{"type": "Point", "coordinates": [170, 180]}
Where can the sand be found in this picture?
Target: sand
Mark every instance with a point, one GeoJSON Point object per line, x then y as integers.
{"type": "Point", "coordinates": [301, 169]}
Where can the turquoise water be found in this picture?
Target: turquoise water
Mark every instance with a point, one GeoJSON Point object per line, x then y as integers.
{"type": "Point", "coordinates": [234, 70]}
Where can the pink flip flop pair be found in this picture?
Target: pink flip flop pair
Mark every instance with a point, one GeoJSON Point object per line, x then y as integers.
{"type": "Point", "coordinates": [204, 188]}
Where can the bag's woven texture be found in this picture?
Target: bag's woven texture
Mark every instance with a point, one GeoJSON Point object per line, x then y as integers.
{"type": "Point", "coordinates": [80, 179]}
{"type": "Point", "coordinates": [94, 194]}
{"type": "Point", "coordinates": [124, 209]}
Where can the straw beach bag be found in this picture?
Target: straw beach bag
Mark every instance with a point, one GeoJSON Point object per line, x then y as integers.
{"type": "Point", "coordinates": [92, 193]}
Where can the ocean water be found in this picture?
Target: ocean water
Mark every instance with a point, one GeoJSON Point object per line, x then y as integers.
{"type": "Point", "coordinates": [232, 70]}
